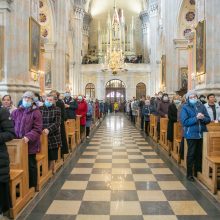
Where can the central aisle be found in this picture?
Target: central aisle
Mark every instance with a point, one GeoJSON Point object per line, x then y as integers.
{"type": "Point", "coordinates": [120, 177]}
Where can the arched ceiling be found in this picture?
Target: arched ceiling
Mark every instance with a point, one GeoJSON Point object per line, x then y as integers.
{"type": "Point", "coordinates": [99, 7]}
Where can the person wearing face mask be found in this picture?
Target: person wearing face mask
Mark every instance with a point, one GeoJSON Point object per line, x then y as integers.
{"type": "Point", "coordinates": [51, 126]}
{"type": "Point", "coordinates": [60, 104]}
{"type": "Point", "coordinates": [194, 118]}
{"type": "Point", "coordinates": [37, 100]}
{"type": "Point", "coordinates": [147, 110]}
{"type": "Point", "coordinates": [28, 125]}
{"type": "Point", "coordinates": [202, 99]}
{"type": "Point", "coordinates": [71, 105]}
{"type": "Point", "coordinates": [82, 111]}
{"type": "Point", "coordinates": [7, 103]}
{"type": "Point", "coordinates": [172, 118]}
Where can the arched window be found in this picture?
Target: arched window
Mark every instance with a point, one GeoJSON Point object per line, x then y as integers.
{"type": "Point", "coordinates": [90, 90]}
{"type": "Point", "coordinates": [140, 90]}
{"type": "Point", "coordinates": [115, 83]}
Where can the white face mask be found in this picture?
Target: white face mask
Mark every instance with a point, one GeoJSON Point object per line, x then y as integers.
{"type": "Point", "coordinates": [165, 98]}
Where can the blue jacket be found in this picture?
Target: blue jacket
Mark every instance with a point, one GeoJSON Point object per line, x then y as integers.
{"type": "Point", "coordinates": [147, 110]}
{"type": "Point", "coordinates": [89, 115]}
{"type": "Point", "coordinates": [193, 127]}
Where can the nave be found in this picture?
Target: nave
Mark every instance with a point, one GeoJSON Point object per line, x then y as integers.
{"type": "Point", "coordinates": [120, 175]}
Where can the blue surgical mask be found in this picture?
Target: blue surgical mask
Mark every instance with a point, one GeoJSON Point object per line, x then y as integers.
{"type": "Point", "coordinates": [48, 104]}
{"type": "Point", "coordinates": [26, 104]}
{"type": "Point", "coordinates": [193, 101]}
{"type": "Point", "coordinates": [36, 99]}
{"type": "Point", "coordinates": [177, 102]}
{"type": "Point", "coordinates": [80, 98]}
{"type": "Point", "coordinates": [67, 95]}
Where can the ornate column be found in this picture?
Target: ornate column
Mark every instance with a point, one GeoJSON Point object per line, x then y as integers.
{"type": "Point", "coordinates": [78, 14]}
{"type": "Point", "coordinates": [144, 16]}
{"type": "Point", "coordinates": [154, 43]}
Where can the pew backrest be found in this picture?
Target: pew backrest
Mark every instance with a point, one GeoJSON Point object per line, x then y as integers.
{"type": "Point", "coordinates": [177, 130]}
{"type": "Point", "coordinates": [163, 123]}
{"type": "Point", "coordinates": [213, 126]}
{"type": "Point", "coordinates": [212, 142]}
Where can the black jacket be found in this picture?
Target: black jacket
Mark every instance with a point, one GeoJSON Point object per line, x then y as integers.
{"type": "Point", "coordinates": [172, 116]}
{"type": "Point", "coordinates": [6, 134]}
{"type": "Point", "coordinates": [70, 112]}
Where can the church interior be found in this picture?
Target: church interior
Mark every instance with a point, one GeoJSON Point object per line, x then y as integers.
{"type": "Point", "coordinates": [109, 109]}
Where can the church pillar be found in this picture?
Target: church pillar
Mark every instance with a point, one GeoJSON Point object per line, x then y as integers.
{"type": "Point", "coordinates": [15, 74]}
{"type": "Point", "coordinates": [78, 14]}
{"type": "Point", "coordinates": [145, 35]}
{"type": "Point", "coordinates": [209, 11]}
{"type": "Point", "coordinates": [154, 50]}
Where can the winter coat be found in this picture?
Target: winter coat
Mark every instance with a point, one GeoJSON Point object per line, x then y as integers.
{"type": "Point", "coordinates": [147, 110]}
{"type": "Point", "coordinates": [210, 112]}
{"type": "Point", "coordinates": [28, 123]}
{"type": "Point", "coordinates": [134, 108]}
{"type": "Point", "coordinates": [6, 134]}
{"type": "Point", "coordinates": [101, 107]}
{"type": "Point", "coordinates": [82, 110]}
{"type": "Point", "coordinates": [70, 112]}
{"type": "Point", "coordinates": [162, 108]}
{"type": "Point", "coordinates": [141, 106]}
{"type": "Point", "coordinates": [89, 115]}
{"type": "Point", "coordinates": [193, 127]}
{"type": "Point", "coordinates": [52, 121]}
{"type": "Point", "coordinates": [64, 148]}
{"type": "Point", "coordinates": [97, 114]}
{"type": "Point", "coordinates": [172, 118]}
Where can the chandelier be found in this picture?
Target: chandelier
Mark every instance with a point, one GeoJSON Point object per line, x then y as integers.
{"type": "Point", "coordinates": [114, 57]}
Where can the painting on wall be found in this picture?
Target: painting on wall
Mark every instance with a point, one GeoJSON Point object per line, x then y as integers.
{"type": "Point", "coordinates": [67, 67]}
{"type": "Point", "coordinates": [34, 45]}
{"type": "Point", "coordinates": [163, 70]}
{"type": "Point", "coordinates": [184, 78]}
{"type": "Point", "coordinates": [200, 48]}
{"type": "Point", "coordinates": [1, 52]}
{"type": "Point", "coordinates": [48, 75]}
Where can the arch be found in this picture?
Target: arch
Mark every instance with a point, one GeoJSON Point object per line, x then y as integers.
{"type": "Point", "coordinates": [115, 83]}
{"type": "Point", "coordinates": [140, 90]}
{"type": "Point", "coordinates": [186, 17]}
{"type": "Point", "coordinates": [90, 90]}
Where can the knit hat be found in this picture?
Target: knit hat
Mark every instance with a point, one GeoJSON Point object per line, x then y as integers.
{"type": "Point", "coordinates": [190, 93]}
{"type": "Point", "coordinates": [28, 94]}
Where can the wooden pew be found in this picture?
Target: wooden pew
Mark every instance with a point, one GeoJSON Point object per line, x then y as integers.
{"type": "Point", "coordinates": [177, 137]}
{"type": "Point", "coordinates": [153, 127]}
{"type": "Point", "coordinates": [213, 126]}
{"type": "Point", "coordinates": [59, 161]}
{"type": "Point", "coordinates": [210, 175]}
{"type": "Point", "coordinates": [44, 174]}
{"type": "Point", "coordinates": [70, 133]}
{"type": "Point", "coordinates": [19, 179]}
{"type": "Point", "coordinates": [77, 130]}
{"type": "Point", "coordinates": [163, 133]}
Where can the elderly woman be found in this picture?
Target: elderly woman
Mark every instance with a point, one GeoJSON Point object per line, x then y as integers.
{"type": "Point", "coordinates": [7, 103]}
{"type": "Point", "coordinates": [51, 126]}
{"type": "Point", "coordinates": [6, 134]}
{"type": "Point", "coordinates": [28, 125]}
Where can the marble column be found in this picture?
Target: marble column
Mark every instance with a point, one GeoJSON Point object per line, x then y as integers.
{"type": "Point", "coordinates": [145, 35]}
{"type": "Point", "coordinates": [78, 14]}
{"type": "Point", "coordinates": [14, 20]}
{"type": "Point", "coordinates": [154, 43]}
{"type": "Point", "coordinates": [209, 10]}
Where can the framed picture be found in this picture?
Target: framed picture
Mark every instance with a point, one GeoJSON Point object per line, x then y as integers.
{"type": "Point", "coordinates": [34, 45]}
{"type": "Point", "coordinates": [163, 70]}
{"type": "Point", "coordinates": [200, 48]}
{"type": "Point", "coordinates": [184, 78]}
{"type": "Point", "coordinates": [1, 52]}
{"type": "Point", "coordinates": [48, 75]}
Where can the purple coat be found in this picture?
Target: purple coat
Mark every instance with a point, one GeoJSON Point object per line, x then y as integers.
{"type": "Point", "coordinates": [28, 123]}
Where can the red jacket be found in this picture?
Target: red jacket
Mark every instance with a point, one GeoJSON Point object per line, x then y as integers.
{"type": "Point", "coordinates": [82, 110]}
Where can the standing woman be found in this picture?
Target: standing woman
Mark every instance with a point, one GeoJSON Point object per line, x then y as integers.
{"type": "Point", "coordinates": [82, 111]}
{"type": "Point", "coordinates": [51, 126]}
{"type": "Point", "coordinates": [172, 118]}
{"type": "Point", "coordinates": [89, 119]}
{"type": "Point", "coordinates": [6, 134]}
{"type": "Point", "coordinates": [7, 103]}
{"type": "Point", "coordinates": [28, 125]}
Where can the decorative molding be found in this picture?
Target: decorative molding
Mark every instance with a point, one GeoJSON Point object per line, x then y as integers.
{"type": "Point", "coordinates": [6, 4]}
{"type": "Point", "coordinates": [78, 12]}
{"type": "Point", "coordinates": [180, 43]}
{"type": "Point", "coordinates": [153, 8]}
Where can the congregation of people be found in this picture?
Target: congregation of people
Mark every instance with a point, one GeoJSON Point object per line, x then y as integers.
{"type": "Point", "coordinates": [194, 112]}
{"type": "Point", "coordinates": [33, 116]}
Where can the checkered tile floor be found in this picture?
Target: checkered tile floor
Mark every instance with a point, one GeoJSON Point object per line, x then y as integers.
{"type": "Point", "coordinates": [120, 177]}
